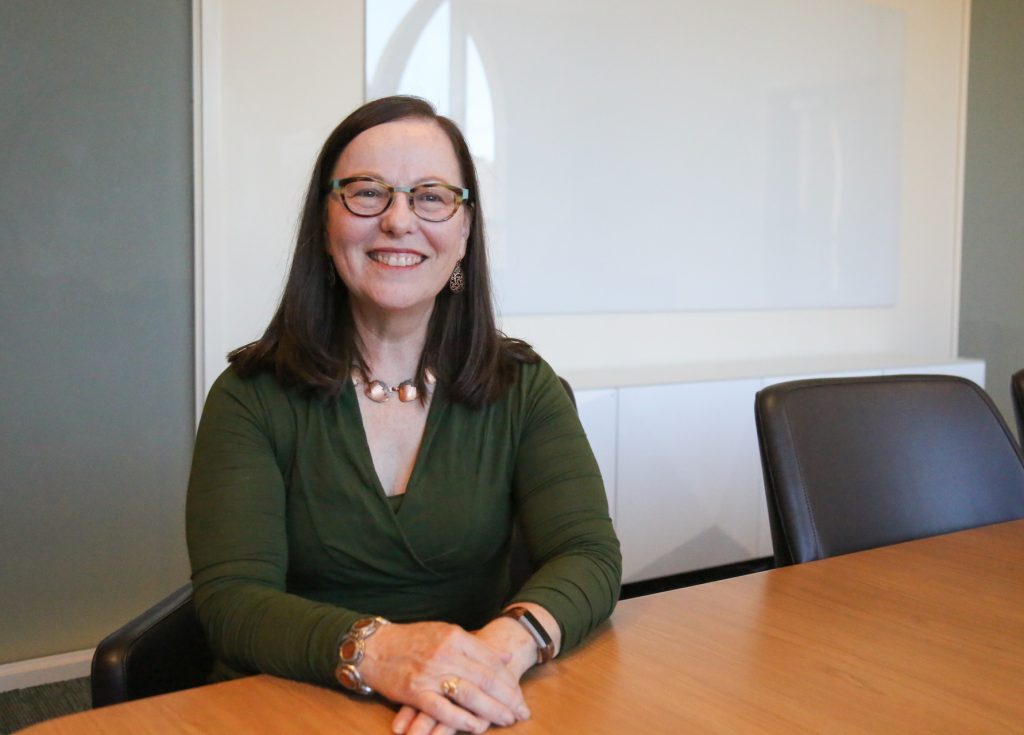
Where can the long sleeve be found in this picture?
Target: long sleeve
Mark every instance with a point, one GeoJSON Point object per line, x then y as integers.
{"type": "Point", "coordinates": [563, 511]}
{"type": "Point", "coordinates": [236, 529]}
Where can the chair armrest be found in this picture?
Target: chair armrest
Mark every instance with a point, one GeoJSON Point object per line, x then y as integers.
{"type": "Point", "coordinates": [162, 650]}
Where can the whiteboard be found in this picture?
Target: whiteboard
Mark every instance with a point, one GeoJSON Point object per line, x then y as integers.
{"type": "Point", "coordinates": [658, 156]}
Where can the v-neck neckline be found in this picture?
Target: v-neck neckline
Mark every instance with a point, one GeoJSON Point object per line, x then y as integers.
{"type": "Point", "coordinates": [434, 410]}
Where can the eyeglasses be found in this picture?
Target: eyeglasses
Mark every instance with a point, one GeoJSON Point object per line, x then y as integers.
{"type": "Point", "coordinates": [431, 201]}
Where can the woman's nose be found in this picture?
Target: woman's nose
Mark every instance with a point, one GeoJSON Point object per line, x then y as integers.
{"type": "Point", "coordinates": [399, 217]}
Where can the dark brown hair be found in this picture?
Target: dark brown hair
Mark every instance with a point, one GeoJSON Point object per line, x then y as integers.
{"type": "Point", "coordinates": [312, 341]}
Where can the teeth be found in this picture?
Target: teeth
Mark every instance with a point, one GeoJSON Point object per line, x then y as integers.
{"type": "Point", "coordinates": [397, 259]}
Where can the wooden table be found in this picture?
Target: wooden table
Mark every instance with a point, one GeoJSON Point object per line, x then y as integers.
{"type": "Point", "coordinates": [926, 636]}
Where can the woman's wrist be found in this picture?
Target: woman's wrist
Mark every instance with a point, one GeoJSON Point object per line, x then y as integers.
{"type": "Point", "coordinates": [545, 645]}
{"type": "Point", "coordinates": [507, 633]}
{"type": "Point", "coordinates": [541, 618]}
{"type": "Point", "coordinates": [351, 653]}
{"type": "Point", "coordinates": [510, 638]}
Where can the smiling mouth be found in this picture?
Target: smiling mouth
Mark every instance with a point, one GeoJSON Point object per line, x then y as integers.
{"type": "Point", "coordinates": [398, 260]}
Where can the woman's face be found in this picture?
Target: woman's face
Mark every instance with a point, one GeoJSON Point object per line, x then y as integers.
{"type": "Point", "coordinates": [395, 263]}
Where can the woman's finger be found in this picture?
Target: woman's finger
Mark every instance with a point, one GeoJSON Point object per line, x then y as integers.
{"type": "Point", "coordinates": [444, 711]}
{"type": "Point", "coordinates": [440, 729]}
{"type": "Point", "coordinates": [470, 697]}
{"type": "Point", "coordinates": [426, 725]}
{"type": "Point", "coordinates": [422, 724]}
{"type": "Point", "coordinates": [404, 718]}
{"type": "Point", "coordinates": [499, 686]}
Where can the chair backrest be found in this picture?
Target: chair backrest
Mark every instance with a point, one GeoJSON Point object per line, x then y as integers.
{"type": "Point", "coordinates": [568, 390]}
{"type": "Point", "coordinates": [162, 650]}
{"type": "Point", "coordinates": [1017, 388]}
{"type": "Point", "coordinates": [855, 463]}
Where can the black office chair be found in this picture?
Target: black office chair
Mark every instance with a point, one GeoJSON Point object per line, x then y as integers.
{"type": "Point", "coordinates": [568, 390]}
{"type": "Point", "coordinates": [855, 463]}
{"type": "Point", "coordinates": [1017, 388]}
{"type": "Point", "coordinates": [164, 649]}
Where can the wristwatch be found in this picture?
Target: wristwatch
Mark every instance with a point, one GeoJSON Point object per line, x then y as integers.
{"type": "Point", "coordinates": [351, 651]}
{"type": "Point", "coordinates": [545, 646]}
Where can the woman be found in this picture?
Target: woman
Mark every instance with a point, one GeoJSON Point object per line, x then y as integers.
{"type": "Point", "coordinates": [362, 463]}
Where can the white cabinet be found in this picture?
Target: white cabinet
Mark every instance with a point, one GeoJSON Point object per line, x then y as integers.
{"type": "Point", "coordinates": [681, 464]}
{"type": "Point", "coordinates": [689, 477]}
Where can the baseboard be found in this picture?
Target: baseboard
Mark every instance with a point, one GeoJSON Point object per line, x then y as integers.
{"type": "Point", "coordinates": [699, 576]}
{"type": "Point", "coordinates": [45, 670]}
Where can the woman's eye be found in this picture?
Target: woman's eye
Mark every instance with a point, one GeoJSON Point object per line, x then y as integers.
{"type": "Point", "coordinates": [367, 193]}
{"type": "Point", "coordinates": [432, 196]}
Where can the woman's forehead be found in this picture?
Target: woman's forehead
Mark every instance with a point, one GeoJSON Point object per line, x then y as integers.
{"type": "Point", "coordinates": [411, 146]}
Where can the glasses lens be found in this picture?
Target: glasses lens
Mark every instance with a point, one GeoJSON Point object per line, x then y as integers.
{"type": "Point", "coordinates": [434, 202]}
{"type": "Point", "coordinates": [366, 197]}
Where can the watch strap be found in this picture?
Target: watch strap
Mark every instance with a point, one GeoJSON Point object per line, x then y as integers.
{"type": "Point", "coordinates": [545, 646]}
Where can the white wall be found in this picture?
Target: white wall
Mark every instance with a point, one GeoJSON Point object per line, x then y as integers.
{"type": "Point", "coordinates": [276, 80]}
{"type": "Point", "coordinates": [923, 321]}
{"type": "Point", "coordinates": [738, 176]}
{"type": "Point", "coordinates": [272, 80]}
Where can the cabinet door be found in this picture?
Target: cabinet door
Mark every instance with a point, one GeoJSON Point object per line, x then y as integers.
{"type": "Point", "coordinates": [689, 491]}
{"type": "Point", "coordinates": [598, 411]}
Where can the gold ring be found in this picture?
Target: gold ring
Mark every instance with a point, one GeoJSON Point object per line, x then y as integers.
{"type": "Point", "coordinates": [450, 688]}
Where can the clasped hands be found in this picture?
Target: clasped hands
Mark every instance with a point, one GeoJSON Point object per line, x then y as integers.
{"type": "Point", "coordinates": [448, 679]}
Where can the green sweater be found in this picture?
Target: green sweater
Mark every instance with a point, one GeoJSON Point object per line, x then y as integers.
{"type": "Point", "coordinates": [291, 536]}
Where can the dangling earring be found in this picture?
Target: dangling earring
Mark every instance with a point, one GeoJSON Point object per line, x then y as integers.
{"type": "Point", "coordinates": [457, 282]}
{"type": "Point", "coordinates": [332, 275]}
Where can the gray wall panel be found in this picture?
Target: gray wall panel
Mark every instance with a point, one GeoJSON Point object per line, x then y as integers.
{"type": "Point", "coordinates": [992, 296]}
{"type": "Point", "coordinates": [96, 293]}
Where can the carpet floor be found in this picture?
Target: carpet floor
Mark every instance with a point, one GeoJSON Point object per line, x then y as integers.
{"type": "Point", "coordinates": [23, 707]}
